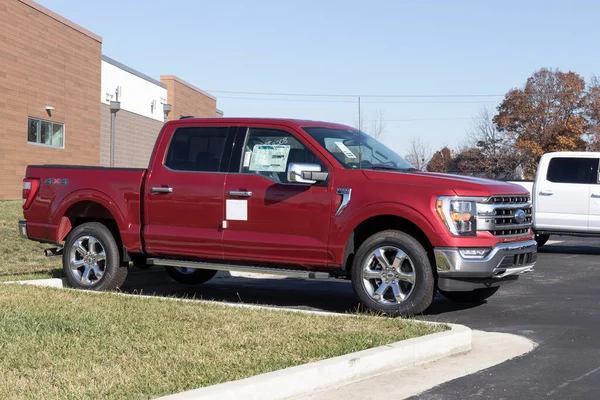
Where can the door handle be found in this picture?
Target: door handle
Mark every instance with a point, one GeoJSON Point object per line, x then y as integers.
{"type": "Point", "coordinates": [546, 193]}
{"type": "Point", "coordinates": [596, 195]}
{"type": "Point", "coordinates": [240, 193]}
{"type": "Point", "coordinates": [161, 189]}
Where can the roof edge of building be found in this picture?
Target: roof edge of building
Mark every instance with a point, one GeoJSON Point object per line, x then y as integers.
{"type": "Point", "coordinates": [220, 112]}
{"type": "Point", "coordinates": [133, 71]}
{"type": "Point", "coordinates": [178, 79]}
{"type": "Point", "coordinates": [61, 19]}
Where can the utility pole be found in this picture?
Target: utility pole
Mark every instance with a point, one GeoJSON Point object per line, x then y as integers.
{"type": "Point", "coordinates": [359, 116]}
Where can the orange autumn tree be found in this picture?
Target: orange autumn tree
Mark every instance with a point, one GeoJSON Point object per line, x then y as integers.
{"type": "Point", "coordinates": [441, 161]}
{"type": "Point", "coordinates": [552, 112]}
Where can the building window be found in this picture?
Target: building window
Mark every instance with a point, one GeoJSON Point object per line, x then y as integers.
{"type": "Point", "coordinates": [45, 133]}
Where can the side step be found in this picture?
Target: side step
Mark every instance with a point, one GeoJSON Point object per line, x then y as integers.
{"type": "Point", "coordinates": [239, 268]}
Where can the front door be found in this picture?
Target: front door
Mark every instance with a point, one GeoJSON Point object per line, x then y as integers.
{"type": "Point", "coordinates": [184, 194]}
{"type": "Point", "coordinates": [562, 197]}
{"type": "Point", "coordinates": [268, 218]}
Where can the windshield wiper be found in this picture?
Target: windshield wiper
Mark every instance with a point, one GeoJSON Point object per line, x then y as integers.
{"type": "Point", "coordinates": [388, 168]}
{"type": "Point", "coordinates": [384, 167]}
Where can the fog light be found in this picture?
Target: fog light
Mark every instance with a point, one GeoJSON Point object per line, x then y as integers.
{"type": "Point", "coordinates": [474, 253]}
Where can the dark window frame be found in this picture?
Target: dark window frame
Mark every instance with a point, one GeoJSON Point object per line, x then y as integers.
{"type": "Point", "coordinates": [590, 170]}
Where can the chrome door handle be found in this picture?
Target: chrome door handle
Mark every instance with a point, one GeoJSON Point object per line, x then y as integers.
{"type": "Point", "coordinates": [596, 195]}
{"type": "Point", "coordinates": [546, 193]}
{"type": "Point", "coordinates": [161, 189]}
{"type": "Point", "coordinates": [240, 193]}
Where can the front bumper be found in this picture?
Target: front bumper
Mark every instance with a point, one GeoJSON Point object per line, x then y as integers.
{"type": "Point", "coordinates": [23, 229]}
{"type": "Point", "coordinates": [504, 260]}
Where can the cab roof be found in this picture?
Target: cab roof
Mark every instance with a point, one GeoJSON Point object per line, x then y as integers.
{"type": "Point", "coordinates": [297, 123]}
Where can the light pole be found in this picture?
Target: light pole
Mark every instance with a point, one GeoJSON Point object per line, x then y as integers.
{"type": "Point", "coordinates": [115, 106]}
{"type": "Point", "coordinates": [166, 110]}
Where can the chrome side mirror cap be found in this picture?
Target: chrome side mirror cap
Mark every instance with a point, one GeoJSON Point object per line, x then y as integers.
{"type": "Point", "coordinates": [306, 173]}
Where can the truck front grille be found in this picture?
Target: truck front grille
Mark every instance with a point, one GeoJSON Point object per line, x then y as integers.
{"type": "Point", "coordinates": [505, 216]}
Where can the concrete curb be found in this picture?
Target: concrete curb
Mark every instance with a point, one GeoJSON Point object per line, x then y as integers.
{"type": "Point", "coordinates": [319, 375]}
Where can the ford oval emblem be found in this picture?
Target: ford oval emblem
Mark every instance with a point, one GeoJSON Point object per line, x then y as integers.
{"type": "Point", "coordinates": [520, 216]}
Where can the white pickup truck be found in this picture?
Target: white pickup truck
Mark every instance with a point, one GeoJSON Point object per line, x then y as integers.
{"type": "Point", "coordinates": [565, 195]}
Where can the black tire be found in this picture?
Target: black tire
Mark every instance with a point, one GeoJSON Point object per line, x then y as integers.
{"type": "Point", "coordinates": [422, 290]}
{"type": "Point", "coordinates": [541, 239]}
{"type": "Point", "coordinates": [194, 277]}
{"type": "Point", "coordinates": [474, 296]}
{"type": "Point", "coordinates": [113, 273]}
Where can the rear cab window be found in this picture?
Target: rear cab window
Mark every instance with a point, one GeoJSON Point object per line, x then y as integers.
{"type": "Point", "coordinates": [573, 170]}
{"type": "Point", "coordinates": [199, 149]}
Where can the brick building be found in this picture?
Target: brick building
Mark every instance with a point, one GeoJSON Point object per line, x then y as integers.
{"type": "Point", "coordinates": [55, 96]}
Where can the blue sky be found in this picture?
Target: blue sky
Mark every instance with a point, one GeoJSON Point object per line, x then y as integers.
{"type": "Point", "coordinates": [350, 47]}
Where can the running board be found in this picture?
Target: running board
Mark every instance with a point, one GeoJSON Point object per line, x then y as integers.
{"type": "Point", "coordinates": [239, 268]}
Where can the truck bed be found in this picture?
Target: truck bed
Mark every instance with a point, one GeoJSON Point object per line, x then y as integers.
{"type": "Point", "coordinates": [67, 192]}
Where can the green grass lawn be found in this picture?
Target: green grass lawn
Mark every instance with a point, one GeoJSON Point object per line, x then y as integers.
{"type": "Point", "coordinates": [70, 344]}
{"type": "Point", "coordinates": [21, 258]}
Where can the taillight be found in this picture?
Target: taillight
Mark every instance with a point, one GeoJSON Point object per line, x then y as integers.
{"type": "Point", "coordinates": [30, 188]}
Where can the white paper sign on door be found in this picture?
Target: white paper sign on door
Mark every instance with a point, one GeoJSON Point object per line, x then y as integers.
{"type": "Point", "coordinates": [236, 210]}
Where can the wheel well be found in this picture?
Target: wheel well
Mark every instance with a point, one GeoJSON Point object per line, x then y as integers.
{"type": "Point", "coordinates": [88, 211]}
{"type": "Point", "coordinates": [380, 223]}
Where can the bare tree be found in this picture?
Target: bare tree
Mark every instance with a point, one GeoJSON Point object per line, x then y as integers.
{"type": "Point", "coordinates": [374, 127]}
{"type": "Point", "coordinates": [496, 156]}
{"type": "Point", "coordinates": [419, 153]}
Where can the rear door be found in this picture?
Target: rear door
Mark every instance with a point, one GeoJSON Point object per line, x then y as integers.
{"type": "Point", "coordinates": [184, 193]}
{"type": "Point", "coordinates": [269, 219]}
{"type": "Point", "coordinates": [562, 198]}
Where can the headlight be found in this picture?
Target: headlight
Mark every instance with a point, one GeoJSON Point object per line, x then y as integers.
{"type": "Point", "coordinates": [459, 215]}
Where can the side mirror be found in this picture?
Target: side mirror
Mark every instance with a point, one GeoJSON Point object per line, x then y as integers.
{"type": "Point", "coordinates": [306, 173]}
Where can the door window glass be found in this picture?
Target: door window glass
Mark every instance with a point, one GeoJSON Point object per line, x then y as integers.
{"type": "Point", "coordinates": [197, 149]}
{"type": "Point", "coordinates": [573, 170]}
{"type": "Point", "coordinates": [269, 152]}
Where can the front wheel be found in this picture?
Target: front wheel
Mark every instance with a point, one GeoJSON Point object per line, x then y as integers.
{"type": "Point", "coordinates": [91, 258]}
{"type": "Point", "coordinates": [392, 274]}
{"type": "Point", "coordinates": [474, 296]}
{"type": "Point", "coordinates": [541, 239]}
{"type": "Point", "coordinates": [190, 276]}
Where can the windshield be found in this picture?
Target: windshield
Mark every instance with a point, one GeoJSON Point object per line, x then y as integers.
{"type": "Point", "coordinates": [356, 149]}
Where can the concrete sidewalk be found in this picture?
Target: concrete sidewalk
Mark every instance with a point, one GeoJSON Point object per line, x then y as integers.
{"type": "Point", "coordinates": [489, 349]}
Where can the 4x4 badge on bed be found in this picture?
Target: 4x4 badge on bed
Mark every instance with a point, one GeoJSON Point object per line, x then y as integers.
{"type": "Point", "coordinates": [56, 181]}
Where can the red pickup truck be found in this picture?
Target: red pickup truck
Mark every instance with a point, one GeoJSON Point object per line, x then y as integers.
{"type": "Point", "coordinates": [299, 198]}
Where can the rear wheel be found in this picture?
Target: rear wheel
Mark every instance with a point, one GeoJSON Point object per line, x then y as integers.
{"type": "Point", "coordinates": [541, 239]}
{"type": "Point", "coordinates": [190, 276]}
{"type": "Point", "coordinates": [474, 296]}
{"type": "Point", "coordinates": [391, 274]}
{"type": "Point", "coordinates": [91, 258]}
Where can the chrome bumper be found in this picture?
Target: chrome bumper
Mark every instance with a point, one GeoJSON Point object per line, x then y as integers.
{"type": "Point", "coordinates": [23, 229]}
{"type": "Point", "coordinates": [504, 260]}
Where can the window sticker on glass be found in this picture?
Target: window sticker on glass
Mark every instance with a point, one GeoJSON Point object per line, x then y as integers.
{"type": "Point", "coordinates": [269, 158]}
{"type": "Point", "coordinates": [347, 152]}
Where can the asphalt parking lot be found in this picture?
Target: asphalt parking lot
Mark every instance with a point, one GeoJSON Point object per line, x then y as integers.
{"type": "Point", "coordinates": [555, 306]}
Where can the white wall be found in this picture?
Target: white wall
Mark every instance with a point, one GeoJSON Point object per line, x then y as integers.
{"type": "Point", "coordinates": [136, 94]}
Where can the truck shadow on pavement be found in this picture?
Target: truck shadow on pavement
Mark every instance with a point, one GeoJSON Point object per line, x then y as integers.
{"type": "Point", "coordinates": [331, 295]}
{"type": "Point", "coordinates": [575, 250]}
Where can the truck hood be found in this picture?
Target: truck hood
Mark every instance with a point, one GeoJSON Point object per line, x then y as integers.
{"type": "Point", "coordinates": [461, 185]}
